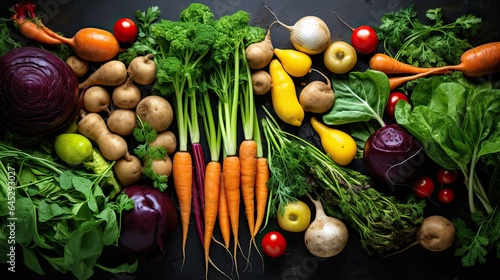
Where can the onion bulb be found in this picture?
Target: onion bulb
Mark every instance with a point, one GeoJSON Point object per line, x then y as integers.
{"type": "Point", "coordinates": [309, 34]}
{"type": "Point", "coordinates": [326, 236]}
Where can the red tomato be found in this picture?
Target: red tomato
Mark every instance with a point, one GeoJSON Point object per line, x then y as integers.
{"type": "Point", "coordinates": [445, 176]}
{"type": "Point", "coordinates": [394, 97]}
{"type": "Point", "coordinates": [125, 30]}
{"type": "Point", "coordinates": [423, 187]}
{"type": "Point", "coordinates": [274, 244]}
{"type": "Point", "coordinates": [446, 195]}
{"type": "Point", "coordinates": [364, 39]}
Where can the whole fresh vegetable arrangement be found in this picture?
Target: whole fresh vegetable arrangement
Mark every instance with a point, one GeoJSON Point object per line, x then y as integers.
{"type": "Point", "coordinates": [118, 139]}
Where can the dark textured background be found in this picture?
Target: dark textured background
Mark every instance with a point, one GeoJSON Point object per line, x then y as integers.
{"type": "Point", "coordinates": [68, 16]}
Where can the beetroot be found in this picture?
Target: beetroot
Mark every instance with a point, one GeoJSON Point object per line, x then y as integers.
{"type": "Point", "coordinates": [393, 155]}
{"type": "Point", "coordinates": [153, 219]}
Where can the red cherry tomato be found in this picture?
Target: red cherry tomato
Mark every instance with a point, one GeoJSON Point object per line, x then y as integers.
{"type": "Point", "coordinates": [274, 244]}
{"type": "Point", "coordinates": [125, 30]}
{"type": "Point", "coordinates": [393, 99]}
{"type": "Point", "coordinates": [423, 187]}
{"type": "Point", "coordinates": [364, 39]}
{"type": "Point", "coordinates": [446, 195]}
{"type": "Point", "coordinates": [445, 176]}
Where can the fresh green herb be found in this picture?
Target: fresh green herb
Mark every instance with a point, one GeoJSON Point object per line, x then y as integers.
{"type": "Point", "coordinates": [297, 168]}
{"type": "Point", "coordinates": [62, 215]}
{"type": "Point", "coordinates": [410, 40]}
{"type": "Point", "coordinates": [145, 134]}
{"type": "Point", "coordinates": [6, 41]}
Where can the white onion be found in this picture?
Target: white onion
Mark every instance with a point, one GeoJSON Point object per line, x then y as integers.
{"type": "Point", "coordinates": [310, 34]}
{"type": "Point", "coordinates": [326, 236]}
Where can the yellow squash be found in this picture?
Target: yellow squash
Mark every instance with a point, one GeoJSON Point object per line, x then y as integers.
{"type": "Point", "coordinates": [295, 63]}
{"type": "Point", "coordinates": [339, 145]}
{"type": "Point", "coordinates": [284, 96]}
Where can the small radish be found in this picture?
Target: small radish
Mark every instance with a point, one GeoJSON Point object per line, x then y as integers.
{"type": "Point", "coordinates": [364, 38]}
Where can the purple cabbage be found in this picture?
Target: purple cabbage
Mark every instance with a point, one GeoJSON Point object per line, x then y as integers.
{"type": "Point", "coordinates": [153, 219]}
{"type": "Point", "coordinates": [39, 93]}
{"type": "Point", "coordinates": [393, 155]}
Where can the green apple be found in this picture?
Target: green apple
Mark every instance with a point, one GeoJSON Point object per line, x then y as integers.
{"type": "Point", "coordinates": [296, 217]}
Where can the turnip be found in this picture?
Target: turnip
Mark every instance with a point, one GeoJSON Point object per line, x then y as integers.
{"type": "Point", "coordinates": [317, 96]}
{"type": "Point", "coordinates": [111, 73]}
{"type": "Point", "coordinates": [260, 54]}
{"type": "Point", "coordinates": [126, 95]}
{"type": "Point", "coordinates": [96, 99]}
{"type": "Point", "coordinates": [326, 236]}
{"type": "Point", "coordinates": [122, 122]}
{"type": "Point", "coordinates": [436, 234]}
{"type": "Point", "coordinates": [142, 69]}
{"type": "Point", "coordinates": [156, 111]}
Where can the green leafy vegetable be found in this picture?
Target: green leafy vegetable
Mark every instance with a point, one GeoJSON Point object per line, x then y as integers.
{"type": "Point", "coordinates": [62, 214]}
{"type": "Point", "coordinates": [456, 121]}
{"type": "Point", "coordinates": [297, 168]}
{"type": "Point", "coordinates": [359, 98]}
{"type": "Point", "coordinates": [410, 40]}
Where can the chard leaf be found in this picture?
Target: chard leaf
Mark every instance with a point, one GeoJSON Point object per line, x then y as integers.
{"type": "Point", "coordinates": [359, 98]}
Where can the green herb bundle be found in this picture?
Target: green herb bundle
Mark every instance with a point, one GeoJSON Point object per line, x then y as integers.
{"type": "Point", "coordinates": [60, 214]}
{"type": "Point", "coordinates": [297, 167]}
{"type": "Point", "coordinates": [426, 45]}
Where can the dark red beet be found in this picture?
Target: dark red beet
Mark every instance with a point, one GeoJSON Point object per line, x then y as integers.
{"type": "Point", "coordinates": [393, 155]}
{"type": "Point", "coordinates": [153, 219]}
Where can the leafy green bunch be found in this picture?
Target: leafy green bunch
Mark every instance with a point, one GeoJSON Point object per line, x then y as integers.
{"type": "Point", "coordinates": [438, 43]}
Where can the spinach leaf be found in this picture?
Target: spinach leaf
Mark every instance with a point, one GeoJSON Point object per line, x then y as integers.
{"type": "Point", "coordinates": [360, 97]}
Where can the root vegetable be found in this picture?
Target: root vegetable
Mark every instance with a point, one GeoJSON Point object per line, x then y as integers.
{"type": "Point", "coordinates": [122, 122]}
{"type": "Point", "coordinates": [78, 65]}
{"type": "Point", "coordinates": [156, 111]}
{"type": "Point", "coordinates": [166, 139]}
{"type": "Point", "coordinates": [162, 166]}
{"type": "Point", "coordinates": [126, 95]}
{"type": "Point", "coordinates": [128, 171]}
{"type": "Point", "coordinates": [317, 97]}
{"type": "Point", "coordinates": [326, 236]}
{"type": "Point", "coordinates": [309, 34]}
{"type": "Point", "coordinates": [261, 82]}
{"type": "Point", "coordinates": [111, 73]}
{"type": "Point", "coordinates": [142, 69]}
{"type": "Point", "coordinates": [260, 54]}
{"type": "Point", "coordinates": [111, 146]}
{"type": "Point", "coordinates": [96, 99]}
{"type": "Point", "coordinates": [436, 234]}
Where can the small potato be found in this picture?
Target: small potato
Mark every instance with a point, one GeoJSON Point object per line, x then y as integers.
{"type": "Point", "coordinates": [167, 140]}
{"type": "Point", "coordinates": [126, 95]}
{"type": "Point", "coordinates": [79, 66]}
{"type": "Point", "coordinates": [317, 97]}
{"type": "Point", "coordinates": [162, 166]}
{"type": "Point", "coordinates": [261, 82]}
{"type": "Point", "coordinates": [128, 170]}
{"type": "Point", "coordinates": [96, 99]}
{"type": "Point", "coordinates": [122, 122]}
{"type": "Point", "coordinates": [156, 111]}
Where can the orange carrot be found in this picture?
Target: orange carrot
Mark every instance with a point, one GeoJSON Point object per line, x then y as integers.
{"type": "Point", "coordinates": [231, 175]}
{"type": "Point", "coordinates": [395, 82]}
{"type": "Point", "coordinates": [211, 194]}
{"type": "Point", "coordinates": [479, 61]}
{"type": "Point", "coordinates": [389, 65]}
{"type": "Point", "coordinates": [32, 31]}
{"type": "Point", "coordinates": [182, 171]}
{"type": "Point", "coordinates": [223, 215]}
{"type": "Point", "coordinates": [248, 168]}
{"type": "Point", "coordinates": [261, 192]}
